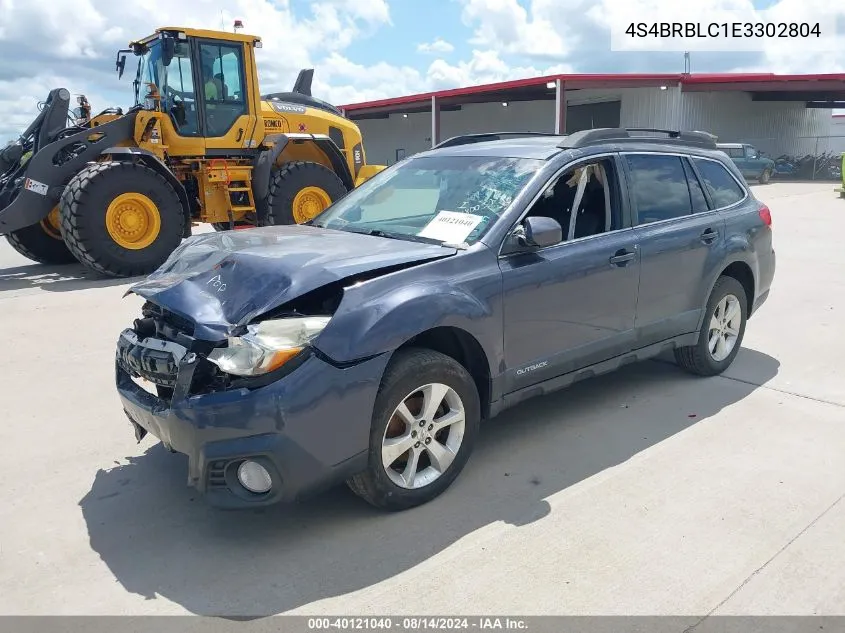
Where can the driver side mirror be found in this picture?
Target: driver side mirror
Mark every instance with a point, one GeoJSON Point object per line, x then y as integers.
{"type": "Point", "coordinates": [539, 232]}
{"type": "Point", "coordinates": [120, 65]}
{"type": "Point", "coordinates": [168, 50]}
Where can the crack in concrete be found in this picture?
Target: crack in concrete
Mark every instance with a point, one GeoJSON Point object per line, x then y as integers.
{"type": "Point", "coordinates": [753, 574]}
{"type": "Point", "coordinates": [784, 391]}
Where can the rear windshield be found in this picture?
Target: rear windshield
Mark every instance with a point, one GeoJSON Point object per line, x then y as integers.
{"type": "Point", "coordinates": [451, 199]}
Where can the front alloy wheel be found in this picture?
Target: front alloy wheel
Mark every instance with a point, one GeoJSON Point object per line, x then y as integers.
{"type": "Point", "coordinates": [423, 436]}
{"type": "Point", "coordinates": [424, 425]}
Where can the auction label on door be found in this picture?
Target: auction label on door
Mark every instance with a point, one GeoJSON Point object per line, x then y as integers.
{"type": "Point", "coordinates": [451, 226]}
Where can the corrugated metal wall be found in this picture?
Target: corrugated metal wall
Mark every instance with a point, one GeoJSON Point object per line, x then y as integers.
{"type": "Point", "coordinates": [837, 131]}
{"type": "Point", "coordinates": [777, 128]}
{"type": "Point", "coordinates": [774, 127]}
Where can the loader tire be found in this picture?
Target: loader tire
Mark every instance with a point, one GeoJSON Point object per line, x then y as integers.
{"type": "Point", "coordinates": [300, 190]}
{"type": "Point", "coordinates": [41, 243]}
{"type": "Point", "coordinates": [121, 219]}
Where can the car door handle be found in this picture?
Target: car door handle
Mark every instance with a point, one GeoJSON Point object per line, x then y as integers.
{"type": "Point", "coordinates": [622, 257]}
{"type": "Point", "coordinates": [709, 236]}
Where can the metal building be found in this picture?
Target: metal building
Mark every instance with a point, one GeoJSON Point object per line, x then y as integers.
{"type": "Point", "coordinates": [779, 114]}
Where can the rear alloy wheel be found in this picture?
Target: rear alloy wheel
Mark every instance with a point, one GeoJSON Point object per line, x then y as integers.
{"type": "Point", "coordinates": [425, 424]}
{"type": "Point", "coordinates": [300, 191]}
{"type": "Point", "coordinates": [121, 219]}
{"type": "Point", "coordinates": [42, 242]}
{"type": "Point", "coordinates": [720, 337]}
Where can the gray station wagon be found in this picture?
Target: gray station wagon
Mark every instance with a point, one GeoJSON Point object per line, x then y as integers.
{"type": "Point", "coordinates": [368, 345]}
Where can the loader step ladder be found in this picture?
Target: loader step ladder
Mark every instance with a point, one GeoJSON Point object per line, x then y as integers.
{"type": "Point", "coordinates": [220, 172]}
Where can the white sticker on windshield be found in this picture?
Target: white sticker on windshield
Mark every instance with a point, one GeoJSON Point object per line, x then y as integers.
{"type": "Point", "coordinates": [451, 226]}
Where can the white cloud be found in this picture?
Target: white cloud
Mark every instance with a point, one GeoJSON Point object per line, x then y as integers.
{"type": "Point", "coordinates": [437, 46]}
{"type": "Point", "coordinates": [484, 67]}
{"type": "Point", "coordinates": [506, 26]}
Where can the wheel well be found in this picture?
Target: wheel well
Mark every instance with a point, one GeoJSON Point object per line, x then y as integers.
{"type": "Point", "coordinates": [466, 350]}
{"type": "Point", "coordinates": [321, 151]}
{"type": "Point", "coordinates": [742, 273]}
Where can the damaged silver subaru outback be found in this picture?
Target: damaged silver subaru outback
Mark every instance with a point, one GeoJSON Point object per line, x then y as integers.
{"type": "Point", "coordinates": [367, 345]}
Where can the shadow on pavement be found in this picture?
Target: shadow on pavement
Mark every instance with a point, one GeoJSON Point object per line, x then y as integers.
{"type": "Point", "coordinates": [160, 539]}
{"type": "Point", "coordinates": [55, 278]}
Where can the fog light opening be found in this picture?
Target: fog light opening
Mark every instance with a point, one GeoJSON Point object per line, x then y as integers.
{"type": "Point", "coordinates": [254, 477]}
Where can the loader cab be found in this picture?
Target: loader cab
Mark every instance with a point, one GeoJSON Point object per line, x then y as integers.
{"type": "Point", "coordinates": [205, 81]}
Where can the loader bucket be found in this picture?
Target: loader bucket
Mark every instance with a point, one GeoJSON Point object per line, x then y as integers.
{"type": "Point", "coordinates": [35, 169]}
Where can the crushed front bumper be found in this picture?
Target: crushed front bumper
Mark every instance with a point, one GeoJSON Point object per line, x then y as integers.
{"type": "Point", "coordinates": [309, 429]}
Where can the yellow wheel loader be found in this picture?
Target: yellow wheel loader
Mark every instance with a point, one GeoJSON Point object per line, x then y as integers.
{"type": "Point", "coordinates": [118, 191]}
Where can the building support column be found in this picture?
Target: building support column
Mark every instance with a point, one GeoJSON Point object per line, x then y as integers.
{"type": "Point", "coordinates": [435, 121]}
{"type": "Point", "coordinates": [560, 107]}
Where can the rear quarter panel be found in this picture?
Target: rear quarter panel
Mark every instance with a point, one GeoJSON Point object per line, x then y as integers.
{"type": "Point", "coordinates": [747, 240]}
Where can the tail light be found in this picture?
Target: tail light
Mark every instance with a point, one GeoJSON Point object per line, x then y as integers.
{"type": "Point", "coordinates": [765, 215]}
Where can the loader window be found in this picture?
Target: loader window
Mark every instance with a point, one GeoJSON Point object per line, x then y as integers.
{"type": "Point", "coordinates": [180, 96]}
{"type": "Point", "coordinates": [150, 71]}
{"type": "Point", "coordinates": [223, 86]}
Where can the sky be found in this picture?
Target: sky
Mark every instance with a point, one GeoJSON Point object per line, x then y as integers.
{"type": "Point", "coordinates": [370, 49]}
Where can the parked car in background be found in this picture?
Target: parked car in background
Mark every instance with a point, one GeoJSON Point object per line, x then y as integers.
{"type": "Point", "coordinates": [367, 344]}
{"type": "Point", "coordinates": [750, 161]}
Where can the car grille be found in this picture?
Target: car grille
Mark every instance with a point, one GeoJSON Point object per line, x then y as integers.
{"type": "Point", "coordinates": [149, 358]}
{"type": "Point", "coordinates": [162, 338]}
{"type": "Point", "coordinates": [217, 475]}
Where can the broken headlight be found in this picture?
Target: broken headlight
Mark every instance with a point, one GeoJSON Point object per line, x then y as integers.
{"type": "Point", "coordinates": [267, 345]}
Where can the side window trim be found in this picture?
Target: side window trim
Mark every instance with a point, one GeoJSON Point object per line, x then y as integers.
{"type": "Point", "coordinates": [625, 216]}
{"type": "Point", "coordinates": [693, 175]}
{"type": "Point", "coordinates": [693, 158]}
{"type": "Point", "coordinates": [745, 191]}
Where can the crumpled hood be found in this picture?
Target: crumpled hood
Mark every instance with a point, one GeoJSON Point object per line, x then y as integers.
{"type": "Point", "coordinates": [224, 280]}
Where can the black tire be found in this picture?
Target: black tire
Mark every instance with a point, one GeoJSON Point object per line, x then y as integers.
{"type": "Point", "coordinates": [290, 179]}
{"type": "Point", "coordinates": [408, 371]}
{"type": "Point", "coordinates": [83, 211]}
{"type": "Point", "coordinates": [224, 226]}
{"type": "Point", "coordinates": [697, 358]}
{"type": "Point", "coordinates": [35, 243]}
{"type": "Point", "coordinates": [765, 176]}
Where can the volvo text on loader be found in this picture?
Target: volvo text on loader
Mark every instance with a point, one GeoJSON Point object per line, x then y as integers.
{"type": "Point", "coordinates": [119, 191]}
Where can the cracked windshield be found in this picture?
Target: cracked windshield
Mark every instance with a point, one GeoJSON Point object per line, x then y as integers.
{"type": "Point", "coordinates": [443, 199]}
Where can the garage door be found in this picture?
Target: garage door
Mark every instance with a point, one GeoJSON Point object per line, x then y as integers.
{"type": "Point", "coordinates": [592, 115]}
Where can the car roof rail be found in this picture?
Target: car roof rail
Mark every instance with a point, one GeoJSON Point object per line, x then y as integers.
{"type": "Point", "coordinates": [585, 138]}
{"type": "Point", "coordinates": [465, 139]}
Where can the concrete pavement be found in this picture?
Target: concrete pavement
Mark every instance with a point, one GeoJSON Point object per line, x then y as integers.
{"type": "Point", "coordinates": [644, 492]}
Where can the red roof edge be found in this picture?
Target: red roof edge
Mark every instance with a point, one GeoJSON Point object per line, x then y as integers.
{"type": "Point", "coordinates": [723, 78]}
{"type": "Point", "coordinates": [506, 85]}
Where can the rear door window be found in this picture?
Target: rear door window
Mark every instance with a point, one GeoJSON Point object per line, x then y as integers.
{"type": "Point", "coordinates": [659, 187]}
{"type": "Point", "coordinates": [723, 187]}
{"type": "Point", "coordinates": [699, 201]}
